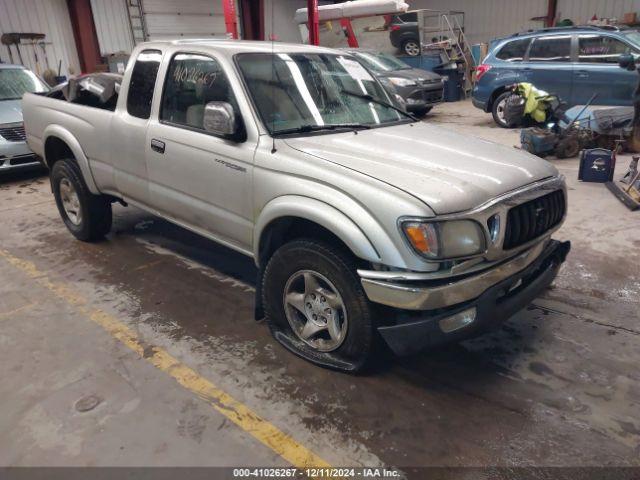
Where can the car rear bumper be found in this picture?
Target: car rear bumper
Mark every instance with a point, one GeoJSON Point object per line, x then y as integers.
{"type": "Point", "coordinates": [415, 329]}
{"type": "Point", "coordinates": [479, 104]}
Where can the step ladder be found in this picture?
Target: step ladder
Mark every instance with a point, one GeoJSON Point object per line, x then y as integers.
{"type": "Point", "coordinates": [137, 21]}
{"type": "Point", "coordinates": [460, 49]}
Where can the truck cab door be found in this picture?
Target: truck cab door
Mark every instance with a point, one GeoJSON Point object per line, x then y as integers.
{"type": "Point", "coordinates": [548, 65]}
{"type": "Point", "coordinates": [597, 70]}
{"type": "Point", "coordinates": [129, 127]}
{"type": "Point", "coordinates": [197, 179]}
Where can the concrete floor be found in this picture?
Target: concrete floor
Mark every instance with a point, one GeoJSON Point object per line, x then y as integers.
{"type": "Point", "coordinates": [558, 385]}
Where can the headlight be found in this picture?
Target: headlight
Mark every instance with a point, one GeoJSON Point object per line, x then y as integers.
{"type": "Point", "coordinates": [445, 240]}
{"type": "Point", "coordinates": [402, 82]}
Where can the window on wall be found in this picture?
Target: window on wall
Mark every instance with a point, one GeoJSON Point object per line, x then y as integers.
{"type": "Point", "coordinates": [514, 51]}
{"type": "Point", "coordinates": [600, 49]}
{"type": "Point", "coordinates": [192, 82]}
{"type": "Point", "coordinates": [143, 82]}
{"type": "Point", "coordinates": [551, 49]}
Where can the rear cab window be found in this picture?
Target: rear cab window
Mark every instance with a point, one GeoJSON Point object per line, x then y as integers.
{"type": "Point", "coordinates": [601, 49]}
{"type": "Point", "coordinates": [192, 81]}
{"type": "Point", "coordinates": [551, 49]}
{"type": "Point", "coordinates": [142, 83]}
{"type": "Point", "coordinates": [514, 51]}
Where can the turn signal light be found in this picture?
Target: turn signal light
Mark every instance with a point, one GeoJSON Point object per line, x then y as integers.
{"type": "Point", "coordinates": [481, 70]}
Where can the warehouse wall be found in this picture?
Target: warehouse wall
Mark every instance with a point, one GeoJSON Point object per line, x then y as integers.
{"type": "Point", "coordinates": [50, 17]}
{"type": "Point", "coordinates": [487, 19]}
{"type": "Point", "coordinates": [112, 26]}
{"type": "Point", "coordinates": [580, 11]}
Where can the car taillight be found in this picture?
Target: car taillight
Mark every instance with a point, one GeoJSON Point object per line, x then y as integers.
{"type": "Point", "coordinates": [481, 70]}
{"type": "Point", "coordinates": [395, 28]}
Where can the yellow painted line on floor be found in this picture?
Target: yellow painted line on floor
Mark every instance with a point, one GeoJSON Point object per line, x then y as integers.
{"type": "Point", "coordinates": [15, 310]}
{"type": "Point", "coordinates": [268, 434]}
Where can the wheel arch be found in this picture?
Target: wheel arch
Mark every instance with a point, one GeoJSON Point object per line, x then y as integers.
{"type": "Point", "coordinates": [59, 143]}
{"type": "Point", "coordinates": [294, 216]}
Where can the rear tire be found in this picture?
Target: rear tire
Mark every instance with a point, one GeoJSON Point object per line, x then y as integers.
{"type": "Point", "coordinates": [411, 47]}
{"type": "Point", "coordinates": [310, 286]}
{"type": "Point", "coordinates": [497, 109]}
{"type": "Point", "coordinates": [88, 217]}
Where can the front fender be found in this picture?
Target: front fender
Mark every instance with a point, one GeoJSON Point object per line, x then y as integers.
{"type": "Point", "coordinates": [67, 137]}
{"type": "Point", "coordinates": [318, 212]}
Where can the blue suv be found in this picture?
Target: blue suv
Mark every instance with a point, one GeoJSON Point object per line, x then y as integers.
{"type": "Point", "coordinates": [571, 62]}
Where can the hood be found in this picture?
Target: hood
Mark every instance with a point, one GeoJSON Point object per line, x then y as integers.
{"type": "Point", "coordinates": [415, 74]}
{"type": "Point", "coordinates": [448, 171]}
{"type": "Point", "coordinates": [10, 111]}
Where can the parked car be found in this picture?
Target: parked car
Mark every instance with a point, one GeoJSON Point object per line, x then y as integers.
{"type": "Point", "coordinates": [362, 222]}
{"type": "Point", "coordinates": [15, 80]}
{"type": "Point", "coordinates": [571, 62]}
{"type": "Point", "coordinates": [419, 89]}
{"type": "Point", "coordinates": [404, 34]}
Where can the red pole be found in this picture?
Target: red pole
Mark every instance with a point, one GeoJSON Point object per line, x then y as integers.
{"type": "Point", "coordinates": [229, 7]}
{"type": "Point", "coordinates": [347, 28]}
{"type": "Point", "coordinates": [314, 28]}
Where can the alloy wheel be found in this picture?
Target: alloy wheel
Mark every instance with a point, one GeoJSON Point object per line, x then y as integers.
{"type": "Point", "coordinates": [315, 310]}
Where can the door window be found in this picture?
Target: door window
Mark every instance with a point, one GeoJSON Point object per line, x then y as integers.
{"type": "Point", "coordinates": [193, 81]}
{"type": "Point", "coordinates": [514, 51]}
{"type": "Point", "coordinates": [551, 49]}
{"type": "Point", "coordinates": [600, 49]}
{"type": "Point", "coordinates": [143, 82]}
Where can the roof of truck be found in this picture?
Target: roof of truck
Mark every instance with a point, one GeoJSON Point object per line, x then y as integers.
{"type": "Point", "coordinates": [232, 47]}
{"type": "Point", "coordinates": [10, 65]}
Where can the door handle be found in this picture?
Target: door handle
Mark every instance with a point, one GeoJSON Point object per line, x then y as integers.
{"type": "Point", "coordinates": [582, 73]}
{"type": "Point", "coordinates": [157, 146]}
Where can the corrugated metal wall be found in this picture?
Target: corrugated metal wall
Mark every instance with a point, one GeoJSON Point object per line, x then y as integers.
{"type": "Point", "coordinates": [50, 17]}
{"type": "Point", "coordinates": [487, 19]}
{"type": "Point", "coordinates": [112, 26]}
{"type": "Point", "coordinates": [580, 11]}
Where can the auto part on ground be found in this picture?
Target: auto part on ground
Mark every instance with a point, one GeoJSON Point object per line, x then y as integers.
{"type": "Point", "coordinates": [597, 165]}
{"type": "Point", "coordinates": [629, 192]}
{"type": "Point", "coordinates": [564, 138]}
{"type": "Point", "coordinates": [98, 90]}
{"type": "Point", "coordinates": [529, 105]}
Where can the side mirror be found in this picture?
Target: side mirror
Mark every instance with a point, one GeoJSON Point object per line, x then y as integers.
{"type": "Point", "coordinates": [627, 61]}
{"type": "Point", "coordinates": [220, 119]}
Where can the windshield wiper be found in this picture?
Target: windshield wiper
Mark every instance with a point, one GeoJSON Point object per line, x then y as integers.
{"type": "Point", "coordinates": [317, 128]}
{"type": "Point", "coordinates": [371, 98]}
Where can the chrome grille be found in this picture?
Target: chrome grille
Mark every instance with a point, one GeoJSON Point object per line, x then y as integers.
{"type": "Point", "coordinates": [529, 220]}
{"type": "Point", "coordinates": [14, 133]}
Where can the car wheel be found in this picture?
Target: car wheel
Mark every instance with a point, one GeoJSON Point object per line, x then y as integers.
{"type": "Point", "coordinates": [497, 109]}
{"type": "Point", "coordinates": [315, 306]}
{"type": "Point", "coordinates": [422, 112]}
{"type": "Point", "coordinates": [411, 47]}
{"type": "Point", "coordinates": [88, 217]}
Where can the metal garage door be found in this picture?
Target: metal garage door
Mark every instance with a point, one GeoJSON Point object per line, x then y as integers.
{"type": "Point", "coordinates": [166, 19]}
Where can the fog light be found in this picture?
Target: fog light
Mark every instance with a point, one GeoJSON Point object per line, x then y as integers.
{"type": "Point", "coordinates": [458, 321]}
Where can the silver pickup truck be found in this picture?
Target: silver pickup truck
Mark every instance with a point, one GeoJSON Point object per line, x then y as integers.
{"type": "Point", "coordinates": [364, 223]}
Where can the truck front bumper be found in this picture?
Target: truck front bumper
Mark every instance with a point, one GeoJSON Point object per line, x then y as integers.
{"type": "Point", "coordinates": [445, 311]}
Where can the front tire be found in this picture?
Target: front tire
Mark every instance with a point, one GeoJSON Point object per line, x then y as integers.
{"type": "Point", "coordinates": [315, 305]}
{"type": "Point", "coordinates": [88, 217]}
{"type": "Point", "coordinates": [422, 112]}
